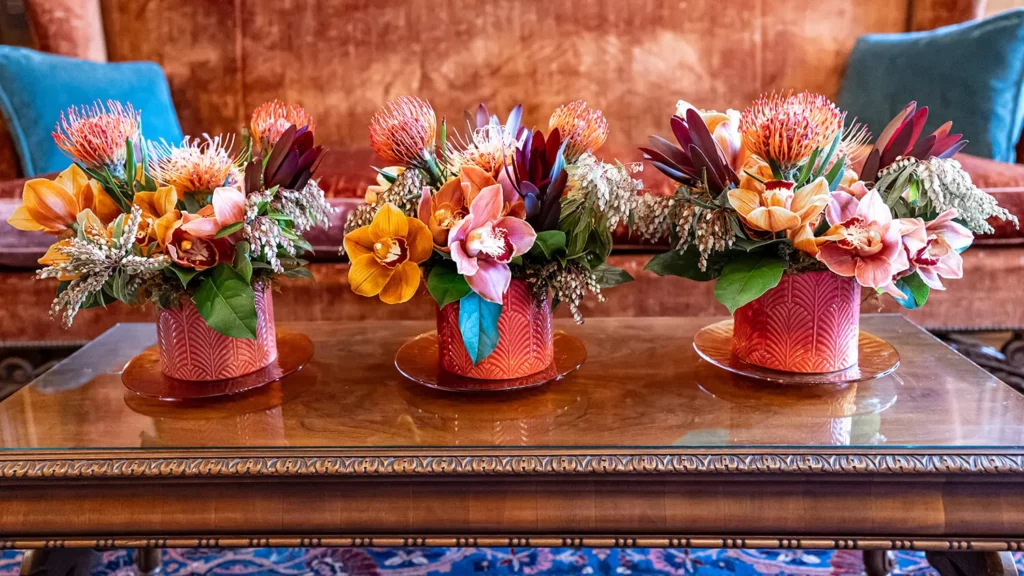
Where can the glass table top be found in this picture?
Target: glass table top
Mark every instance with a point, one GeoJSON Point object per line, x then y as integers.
{"type": "Point", "coordinates": [642, 387]}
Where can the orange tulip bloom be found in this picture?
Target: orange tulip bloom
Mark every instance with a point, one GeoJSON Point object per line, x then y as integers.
{"type": "Point", "coordinates": [775, 207]}
{"type": "Point", "coordinates": [52, 206]}
{"type": "Point", "coordinates": [385, 255]}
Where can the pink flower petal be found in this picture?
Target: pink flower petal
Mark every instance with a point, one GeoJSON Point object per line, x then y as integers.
{"type": "Point", "coordinates": [873, 272]}
{"type": "Point", "coordinates": [424, 209]}
{"type": "Point", "coordinates": [893, 291]}
{"type": "Point", "coordinates": [873, 209]}
{"type": "Point", "coordinates": [466, 264]}
{"type": "Point", "coordinates": [930, 278]}
{"type": "Point", "coordinates": [950, 266]}
{"type": "Point", "coordinates": [841, 207]}
{"type": "Point", "coordinates": [486, 207]}
{"type": "Point", "coordinates": [202, 227]}
{"type": "Point", "coordinates": [892, 245]}
{"type": "Point", "coordinates": [837, 259]}
{"type": "Point", "coordinates": [491, 280]}
{"type": "Point", "coordinates": [228, 205]}
{"type": "Point", "coordinates": [461, 229]}
{"type": "Point", "coordinates": [520, 233]}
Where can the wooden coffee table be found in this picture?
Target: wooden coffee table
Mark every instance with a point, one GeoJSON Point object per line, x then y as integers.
{"type": "Point", "coordinates": [645, 446]}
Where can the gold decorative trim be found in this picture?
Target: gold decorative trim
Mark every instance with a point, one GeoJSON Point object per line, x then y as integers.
{"type": "Point", "coordinates": [309, 463]}
{"type": "Point", "coordinates": [543, 541]}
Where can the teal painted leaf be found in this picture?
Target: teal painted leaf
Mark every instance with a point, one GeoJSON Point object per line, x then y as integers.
{"type": "Point", "coordinates": [225, 300]}
{"type": "Point", "coordinates": [446, 285]}
{"type": "Point", "coordinates": [747, 277]}
{"type": "Point", "coordinates": [478, 323]}
{"type": "Point", "coordinates": [915, 289]}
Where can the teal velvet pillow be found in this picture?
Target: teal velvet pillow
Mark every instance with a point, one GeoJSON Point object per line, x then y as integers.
{"type": "Point", "coordinates": [969, 73]}
{"type": "Point", "coordinates": [36, 87]}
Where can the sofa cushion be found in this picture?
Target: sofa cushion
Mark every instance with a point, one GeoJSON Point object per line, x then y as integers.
{"type": "Point", "coordinates": [36, 87]}
{"type": "Point", "coordinates": [970, 73]}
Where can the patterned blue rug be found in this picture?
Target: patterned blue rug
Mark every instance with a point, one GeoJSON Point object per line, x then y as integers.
{"type": "Point", "coordinates": [497, 561]}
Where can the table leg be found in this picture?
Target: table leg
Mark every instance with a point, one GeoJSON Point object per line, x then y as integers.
{"type": "Point", "coordinates": [972, 563]}
{"type": "Point", "coordinates": [878, 562]}
{"type": "Point", "coordinates": [148, 561]}
{"type": "Point", "coordinates": [59, 562]}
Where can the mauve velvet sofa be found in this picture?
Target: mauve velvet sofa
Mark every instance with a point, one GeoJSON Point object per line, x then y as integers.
{"type": "Point", "coordinates": [342, 59]}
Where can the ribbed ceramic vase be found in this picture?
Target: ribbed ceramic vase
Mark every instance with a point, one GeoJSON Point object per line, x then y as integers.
{"type": "Point", "coordinates": [810, 322]}
{"type": "Point", "coordinates": [191, 350]}
{"type": "Point", "coordinates": [525, 344]}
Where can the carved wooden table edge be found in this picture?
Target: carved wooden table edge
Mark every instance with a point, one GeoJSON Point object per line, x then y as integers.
{"type": "Point", "coordinates": [927, 544]}
{"type": "Point", "coordinates": [236, 463]}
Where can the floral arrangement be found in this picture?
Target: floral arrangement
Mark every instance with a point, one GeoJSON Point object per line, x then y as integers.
{"type": "Point", "coordinates": [776, 190]}
{"type": "Point", "coordinates": [140, 221]}
{"type": "Point", "coordinates": [471, 212]}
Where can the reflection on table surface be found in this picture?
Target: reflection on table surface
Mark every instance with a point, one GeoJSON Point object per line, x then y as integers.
{"type": "Point", "coordinates": [641, 386]}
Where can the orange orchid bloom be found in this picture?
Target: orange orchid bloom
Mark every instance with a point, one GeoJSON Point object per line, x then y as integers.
{"type": "Point", "coordinates": [442, 210]}
{"type": "Point", "coordinates": [52, 206]}
{"type": "Point", "coordinates": [775, 207]}
{"type": "Point", "coordinates": [386, 255]}
{"type": "Point", "coordinates": [158, 214]}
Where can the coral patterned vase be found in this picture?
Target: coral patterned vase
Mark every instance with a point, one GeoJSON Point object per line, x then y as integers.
{"type": "Point", "coordinates": [810, 322]}
{"type": "Point", "coordinates": [525, 344]}
{"type": "Point", "coordinates": [191, 350]}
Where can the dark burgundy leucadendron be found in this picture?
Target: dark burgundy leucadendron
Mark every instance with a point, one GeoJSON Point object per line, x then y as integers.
{"type": "Point", "coordinates": [699, 159]}
{"type": "Point", "coordinates": [901, 138]}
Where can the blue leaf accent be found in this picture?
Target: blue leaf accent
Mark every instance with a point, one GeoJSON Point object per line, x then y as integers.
{"type": "Point", "coordinates": [478, 323]}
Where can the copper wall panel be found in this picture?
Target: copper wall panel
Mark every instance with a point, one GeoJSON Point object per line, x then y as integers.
{"type": "Point", "coordinates": [196, 42]}
{"type": "Point", "coordinates": [343, 58]}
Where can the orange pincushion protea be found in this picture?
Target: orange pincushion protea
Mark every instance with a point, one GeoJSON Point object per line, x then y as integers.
{"type": "Point", "coordinates": [403, 131]}
{"type": "Point", "coordinates": [95, 136]}
{"type": "Point", "coordinates": [582, 129]}
{"type": "Point", "coordinates": [194, 165]}
{"type": "Point", "coordinates": [787, 128]}
{"type": "Point", "coordinates": [272, 118]}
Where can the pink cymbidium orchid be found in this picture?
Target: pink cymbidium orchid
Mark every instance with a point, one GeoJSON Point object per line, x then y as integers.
{"type": "Point", "coordinates": [227, 207]}
{"type": "Point", "coordinates": [863, 241]}
{"type": "Point", "coordinates": [484, 242]}
{"type": "Point", "coordinates": [933, 248]}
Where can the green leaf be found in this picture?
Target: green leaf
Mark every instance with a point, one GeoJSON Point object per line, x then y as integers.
{"type": "Point", "coordinates": [916, 290]}
{"type": "Point", "coordinates": [682, 264]}
{"type": "Point", "coordinates": [242, 264]}
{"type": "Point", "coordinates": [608, 276]}
{"type": "Point", "coordinates": [279, 216]}
{"type": "Point", "coordinates": [183, 274]}
{"type": "Point", "coordinates": [835, 175]}
{"type": "Point", "coordinates": [751, 245]}
{"type": "Point", "coordinates": [299, 273]}
{"type": "Point", "coordinates": [129, 165]}
{"type": "Point", "coordinates": [229, 230]}
{"type": "Point", "coordinates": [446, 285]}
{"type": "Point", "coordinates": [747, 277]}
{"type": "Point", "coordinates": [548, 243]}
{"type": "Point", "coordinates": [478, 323]}
{"type": "Point", "coordinates": [225, 299]}
{"type": "Point", "coordinates": [190, 203]}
